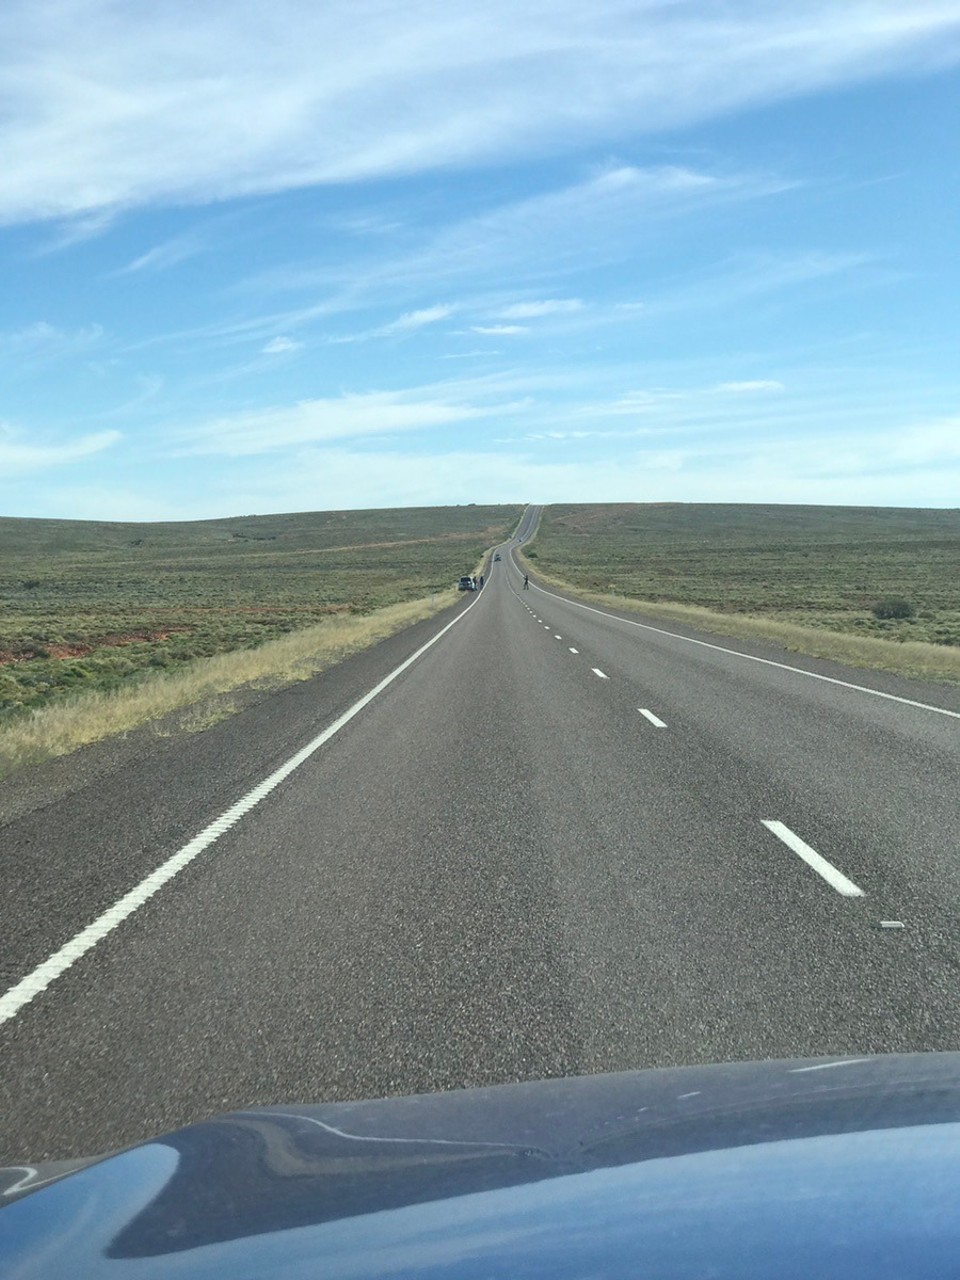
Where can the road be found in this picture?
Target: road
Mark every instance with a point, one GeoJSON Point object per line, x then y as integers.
{"type": "Point", "coordinates": [552, 841]}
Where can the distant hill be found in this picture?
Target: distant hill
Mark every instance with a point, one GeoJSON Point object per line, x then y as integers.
{"type": "Point", "coordinates": [294, 531]}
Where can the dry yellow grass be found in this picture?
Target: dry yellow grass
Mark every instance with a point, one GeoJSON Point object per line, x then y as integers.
{"type": "Point", "coordinates": [910, 658]}
{"type": "Point", "coordinates": [58, 729]}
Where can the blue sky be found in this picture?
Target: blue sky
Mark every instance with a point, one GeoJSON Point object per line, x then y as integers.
{"type": "Point", "coordinates": [299, 256]}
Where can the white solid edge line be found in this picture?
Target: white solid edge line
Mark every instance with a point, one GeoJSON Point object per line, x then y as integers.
{"type": "Point", "coordinates": [813, 859]}
{"type": "Point", "coordinates": [654, 720]}
{"type": "Point", "coordinates": [36, 982]}
{"type": "Point", "coordinates": [752, 657]}
{"type": "Point", "coordinates": [826, 1066]}
{"type": "Point", "coordinates": [597, 672]}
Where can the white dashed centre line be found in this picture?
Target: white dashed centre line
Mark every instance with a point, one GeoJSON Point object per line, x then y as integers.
{"type": "Point", "coordinates": [752, 657]}
{"type": "Point", "coordinates": [574, 650]}
{"type": "Point", "coordinates": [654, 720]}
{"type": "Point", "coordinates": [556, 637]}
{"type": "Point", "coordinates": [813, 859]}
{"type": "Point", "coordinates": [601, 674]}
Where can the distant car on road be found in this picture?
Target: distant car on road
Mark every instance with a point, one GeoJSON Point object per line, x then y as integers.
{"type": "Point", "coordinates": [467, 583]}
{"type": "Point", "coordinates": [497, 556]}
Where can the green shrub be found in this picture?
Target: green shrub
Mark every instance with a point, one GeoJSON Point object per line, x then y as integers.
{"type": "Point", "coordinates": [893, 607]}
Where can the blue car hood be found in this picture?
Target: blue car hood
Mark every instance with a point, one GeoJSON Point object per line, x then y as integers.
{"type": "Point", "coordinates": [799, 1169]}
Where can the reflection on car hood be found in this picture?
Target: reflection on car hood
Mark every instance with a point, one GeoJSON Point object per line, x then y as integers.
{"type": "Point", "coordinates": [785, 1169]}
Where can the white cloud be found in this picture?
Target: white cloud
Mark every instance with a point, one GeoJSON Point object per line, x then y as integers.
{"type": "Point", "coordinates": [498, 328]}
{"type": "Point", "coordinates": [77, 230]}
{"type": "Point", "coordinates": [911, 464]}
{"type": "Point", "coordinates": [749, 387]}
{"type": "Point", "coordinates": [108, 106]}
{"type": "Point", "coordinates": [798, 469]}
{"type": "Point", "coordinates": [280, 346]}
{"type": "Point", "coordinates": [278, 427]}
{"type": "Point", "coordinates": [595, 220]}
{"type": "Point", "coordinates": [168, 254]}
{"type": "Point", "coordinates": [417, 319]}
{"type": "Point", "coordinates": [149, 387]}
{"type": "Point", "coordinates": [17, 456]}
{"type": "Point", "coordinates": [40, 341]}
{"type": "Point", "coordinates": [409, 322]}
{"type": "Point", "coordinates": [88, 500]}
{"type": "Point", "coordinates": [752, 275]}
{"type": "Point", "coordinates": [533, 310]}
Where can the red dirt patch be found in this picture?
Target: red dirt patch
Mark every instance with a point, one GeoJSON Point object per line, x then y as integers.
{"type": "Point", "coordinates": [62, 651]}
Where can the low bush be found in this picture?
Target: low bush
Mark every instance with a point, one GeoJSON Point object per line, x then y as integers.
{"type": "Point", "coordinates": [893, 607]}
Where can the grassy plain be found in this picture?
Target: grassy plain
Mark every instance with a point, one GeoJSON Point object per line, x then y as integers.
{"type": "Point", "coordinates": [197, 690]}
{"type": "Point", "coordinates": [803, 576]}
{"type": "Point", "coordinates": [88, 606]}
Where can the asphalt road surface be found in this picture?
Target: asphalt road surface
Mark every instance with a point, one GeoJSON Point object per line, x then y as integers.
{"type": "Point", "coordinates": [556, 841]}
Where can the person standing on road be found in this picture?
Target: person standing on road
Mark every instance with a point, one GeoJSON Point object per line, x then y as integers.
{"type": "Point", "coordinates": [526, 582]}
{"type": "Point", "coordinates": [481, 581]}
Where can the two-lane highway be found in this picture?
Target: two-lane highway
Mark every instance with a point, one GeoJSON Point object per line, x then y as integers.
{"type": "Point", "coordinates": [552, 841]}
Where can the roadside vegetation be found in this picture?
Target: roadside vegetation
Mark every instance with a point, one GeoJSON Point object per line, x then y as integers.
{"type": "Point", "coordinates": [876, 587]}
{"type": "Point", "coordinates": [104, 626]}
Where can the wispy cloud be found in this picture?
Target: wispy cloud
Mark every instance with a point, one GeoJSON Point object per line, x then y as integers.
{"type": "Point", "coordinates": [77, 230]}
{"type": "Point", "coordinates": [498, 328]}
{"type": "Point", "coordinates": [416, 319]}
{"type": "Point", "coordinates": [533, 310]}
{"type": "Point", "coordinates": [149, 387]}
{"type": "Point", "coordinates": [409, 322]}
{"type": "Point", "coordinates": [279, 427]}
{"type": "Point", "coordinates": [750, 387]}
{"type": "Point", "coordinates": [40, 342]}
{"type": "Point", "coordinates": [752, 275]}
{"type": "Point", "coordinates": [570, 227]}
{"type": "Point", "coordinates": [280, 346]}
{"type": "Point", "coordinates": [18, 456]}
{"type": "Point", "coordinates": [594, 220]}
{"type": "Point", "coordinates": [108, 107]}
{"type": "Point", "coordinates": [795, 467]}
{"type": "Point", "coordinates": [168, 254]}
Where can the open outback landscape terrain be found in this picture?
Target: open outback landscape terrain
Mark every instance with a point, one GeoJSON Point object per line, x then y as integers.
{"type": "Point", "coordinates": [776, 572]}
{"type": "Point", "coordinates": [89, 607]}
{"type": "Point", "coordinates": [105, 625]}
